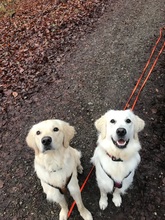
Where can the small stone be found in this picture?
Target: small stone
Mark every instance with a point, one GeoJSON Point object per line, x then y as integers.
{"type": "Point", "coordinates": [1, 184]}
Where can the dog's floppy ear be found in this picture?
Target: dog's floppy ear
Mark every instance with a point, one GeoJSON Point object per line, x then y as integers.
{"type": "Point", "coordinates": [139, 124]}
{"type": "Point", "coordinates": [100, 125]}
{"type": "Point", "coordinates": [30, 140]}
{"type": "Point", "coordinates": [69, 132]}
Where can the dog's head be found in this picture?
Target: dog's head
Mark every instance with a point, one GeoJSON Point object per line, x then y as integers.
{"type": "Point", "coordinates": [120, 126]}
{"type": "Point", "coordinates": [50, 135]}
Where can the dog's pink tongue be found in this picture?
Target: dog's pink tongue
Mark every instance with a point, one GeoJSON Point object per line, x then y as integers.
{"type": "Point", "coordinates": [121, 142]}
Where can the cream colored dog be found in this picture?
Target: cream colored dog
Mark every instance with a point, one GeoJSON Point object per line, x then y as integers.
{"type": "Point", "coordinates": [116, 156]}
{"type": "Point", "coordinates": [56, 163]}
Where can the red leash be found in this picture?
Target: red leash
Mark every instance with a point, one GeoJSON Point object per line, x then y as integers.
{"type": "Point", "coordinates": [82, 187]}
{"type": "Point", "coordinates": [144, 70]}
{"type": "Point", "coordinates": [148, 75]}
{"type": "Point", "coordinates": [131, 96]}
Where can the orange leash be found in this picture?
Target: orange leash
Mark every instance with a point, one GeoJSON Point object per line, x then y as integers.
{"type": "Point", "coordinates": [144, 70]}
{"type": "Point", "coordinates": [148, 75]}
{"type": "Point", "coordinates": [136, 98]}
{"type": "Point", "coordinates": [82, 187]}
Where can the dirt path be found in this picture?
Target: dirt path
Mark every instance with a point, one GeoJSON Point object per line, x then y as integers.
{"type": "Point", "coordinates": [98, 74]}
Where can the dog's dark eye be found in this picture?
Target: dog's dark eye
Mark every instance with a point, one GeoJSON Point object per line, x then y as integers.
{"type": "Point", "coordinates": [55, 129]}
{"type": "Point", "coordinates": [38, 132]}
{"type": "Point", "coordinates": [112, 121]}
{"type": "Point", "coordinates": [128, 121]}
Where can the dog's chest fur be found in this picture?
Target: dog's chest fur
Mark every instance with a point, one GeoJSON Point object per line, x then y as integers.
{"type": "Point", "coordinates": [117, 170]}
{"type": "Point", "coordinates": [53, 168]}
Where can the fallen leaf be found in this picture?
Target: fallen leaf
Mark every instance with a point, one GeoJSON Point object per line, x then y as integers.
{"type": "Point", "coordinates": [154, 110]}
{"type": "Point", "coordinates": [15, 94]}
{"type": "Point", "coordinates": [21, 70]}
{"type": "Point", "coordinates": [1, 184]}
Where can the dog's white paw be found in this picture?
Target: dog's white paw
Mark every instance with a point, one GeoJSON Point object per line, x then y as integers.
{"type": "Point", "coordinates": [103, 203]}
{"type": "Point", "coordinates": [63, 214]}
{"type": "Point", "coordinates": [86, 215]}
{"type": "Point", "coordinates": [80, 169]}
{"type": "Point", "coordinates": [117, 200]}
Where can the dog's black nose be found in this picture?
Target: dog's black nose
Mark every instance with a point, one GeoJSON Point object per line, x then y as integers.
{"type": "Point", "coordinates": [46, 141]}
{"type": "Point", "coordinates": [121, 132]}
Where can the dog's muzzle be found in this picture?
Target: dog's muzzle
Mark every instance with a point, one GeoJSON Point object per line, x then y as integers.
{"type": "Point", "coordinates": [46, 141]}
{"type": "Point", "coordinates": [121, 142]}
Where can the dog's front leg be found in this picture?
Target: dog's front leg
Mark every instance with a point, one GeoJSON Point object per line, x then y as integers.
{"type": "Point", "coordinates": [64, 209]}
{"type": "Point", "coordinates": [76, 194]}
{"type": "Point", "coordinates": [103, 202]}
{"type": "Point", "coordinates": [117, 200]}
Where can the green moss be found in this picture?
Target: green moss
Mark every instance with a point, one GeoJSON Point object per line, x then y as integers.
{"type": "Point", "coordinates": [2, 8]}
{"type": "Point", "coordinates": [8, 7]}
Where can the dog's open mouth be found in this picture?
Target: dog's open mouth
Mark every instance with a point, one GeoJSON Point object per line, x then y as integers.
{"type": "Point", "coordinates": [121, 143]}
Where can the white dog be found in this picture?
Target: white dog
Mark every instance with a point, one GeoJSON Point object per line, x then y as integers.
{"type": "Point", "coordinates": [116, 156]}
{"type": "Point", "coordinates": [56, 163]}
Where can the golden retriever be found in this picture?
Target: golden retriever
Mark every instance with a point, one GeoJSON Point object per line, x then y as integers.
{"type": "Point", "coordinates": [117, 153]}
{"type": "Point", "coordinates": [56, 163]}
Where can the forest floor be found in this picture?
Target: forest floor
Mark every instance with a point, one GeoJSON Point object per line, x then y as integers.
{"type": "Point", "coordinates": [74, 60]}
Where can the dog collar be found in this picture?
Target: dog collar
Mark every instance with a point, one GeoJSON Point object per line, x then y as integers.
{"type": "Point", "coordinates": [114, 158]}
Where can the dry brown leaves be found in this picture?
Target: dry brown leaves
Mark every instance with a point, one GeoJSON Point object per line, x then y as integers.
{"type": "Point", "coordinates": [35, 37]}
